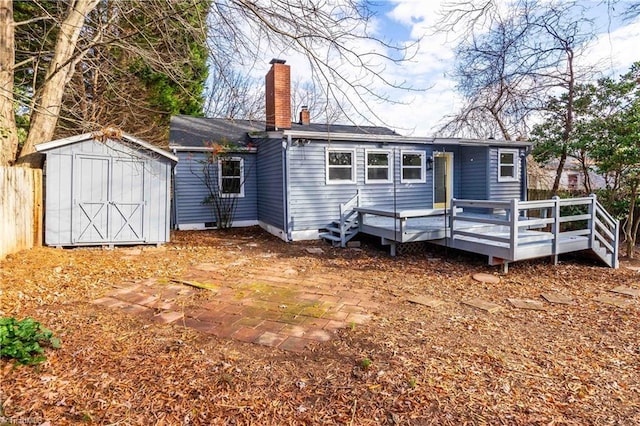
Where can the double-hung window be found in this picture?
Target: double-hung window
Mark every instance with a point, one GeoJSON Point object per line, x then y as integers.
{"type": "Point", "coordinates": [378, 166]}
{"type": "Point", "coordinates": [412, 167]}
{"type": "Point", "coordinates": [507, 165]}
{"type": "Point", "coordinates": [231, 177]}
{"type": "Point", "coordinates": [340, 166]}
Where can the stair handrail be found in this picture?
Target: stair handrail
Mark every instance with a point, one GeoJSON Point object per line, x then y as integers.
{"type": "Point", "coordinates": [346, 211]}
{"type": "Point", "coordinates": [610, 222]}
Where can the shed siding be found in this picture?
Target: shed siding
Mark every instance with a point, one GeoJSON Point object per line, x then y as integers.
{"type": "Point", "coordinates": [158, 190]}
{"type": "Point", "coordinates": [58, 199]}
{"type": "Point", "coordinates": [314, 203]}
{"type": "Point", "coordinates": [472, 171]}
{"type": "Point", "coordinates": [190, 191]}
{"type": "Point", "coordinates": [111, 171]}
{"type": "Point", "coordinates": [501, 190]}
{"type": "Point", "coordinates": [270, 183]}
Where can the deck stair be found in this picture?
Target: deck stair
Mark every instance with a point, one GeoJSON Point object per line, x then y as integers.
{"type": "Point", "coordinates": [342, 230]}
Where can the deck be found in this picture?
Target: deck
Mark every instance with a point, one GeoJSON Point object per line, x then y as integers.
{"type": "Point", "coordinates": [505, 231]}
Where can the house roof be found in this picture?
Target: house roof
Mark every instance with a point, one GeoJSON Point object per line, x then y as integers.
{"type": "Point", "coordinates": [46, 146]}
{"type": "Point", "coordinates": [193, 133]}
{"type": "Point", "coordinates": [196, 132]}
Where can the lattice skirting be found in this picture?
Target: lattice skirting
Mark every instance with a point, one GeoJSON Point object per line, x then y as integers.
{"type": "Point", "coordinates": [411, 248]}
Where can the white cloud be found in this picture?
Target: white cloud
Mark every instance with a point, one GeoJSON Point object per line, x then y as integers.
{"type": "Point", "coordinates": [421, 113]}
{"type": "Point", "coordinates": [614, 52]}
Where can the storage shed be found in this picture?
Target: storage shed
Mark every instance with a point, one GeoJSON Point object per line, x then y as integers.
{"type": "Point", "coordinates": [106, 188]}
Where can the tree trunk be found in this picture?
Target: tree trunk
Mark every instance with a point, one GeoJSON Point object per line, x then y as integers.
{"type": "Point", "coordinates": [8, 130]}
{"type": "Point", "coordinates": [631, 227]}
{"type": "Point", "coordinates": [568, 124]}
{"type": "Point", "coordinates": [559, 170]}
{"type": "Point", "coordinates": [44, 117]}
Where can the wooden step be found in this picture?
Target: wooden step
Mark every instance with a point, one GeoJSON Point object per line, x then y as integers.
{"type": "Point", "coordinates": [330, 236]}
{"type": "Point", "coordinates": [603, 254]}
{"type": "Point", "coordinates": [350, 224]}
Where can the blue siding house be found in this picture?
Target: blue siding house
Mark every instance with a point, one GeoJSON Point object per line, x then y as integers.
{"type": "Point", "coordinates": [302, 180]}
{"type": "Point", "coordinates": [296, 174]}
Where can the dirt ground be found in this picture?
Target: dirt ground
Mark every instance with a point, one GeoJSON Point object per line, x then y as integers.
{"type": "Point", "coordinates": [409, 364]}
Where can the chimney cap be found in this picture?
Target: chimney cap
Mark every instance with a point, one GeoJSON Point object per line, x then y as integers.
{"type": "Point", "coordinates": [304, 107]}
{"type": "Point", "coordinates": [277, 61]}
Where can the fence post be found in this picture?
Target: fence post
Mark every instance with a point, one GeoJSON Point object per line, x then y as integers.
{"type": "Point", "coordinates": [556, 228]}
{"type": "Point", "coordinates": [37, 207]}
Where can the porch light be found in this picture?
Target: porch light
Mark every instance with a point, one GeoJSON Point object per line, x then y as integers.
{"type": "Point", "coordinates": [429, 162]}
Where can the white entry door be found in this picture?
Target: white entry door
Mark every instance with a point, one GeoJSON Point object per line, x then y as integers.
{"type": "Point", "coordinates": [442, 179]}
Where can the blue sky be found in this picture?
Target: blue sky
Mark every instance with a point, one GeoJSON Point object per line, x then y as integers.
{"type": "Point", "coordinates": [613, 50]}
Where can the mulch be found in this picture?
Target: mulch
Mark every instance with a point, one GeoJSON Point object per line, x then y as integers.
{"type": "Point", "coordinates": [412, 364]}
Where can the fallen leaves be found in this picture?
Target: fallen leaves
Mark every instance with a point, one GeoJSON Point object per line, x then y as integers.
{"type": "Point", "coordinates": [570, 364]}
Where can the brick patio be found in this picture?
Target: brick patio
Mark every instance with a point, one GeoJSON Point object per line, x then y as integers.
{"type": "Point", "coordinates": [272, 306]}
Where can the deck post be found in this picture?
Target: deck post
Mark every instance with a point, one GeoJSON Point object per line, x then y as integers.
{"type": "Point", "coordinates": [452, 219]}
{"type": "Point", "coordinates": [591, 223]}
{"type": "Point", "coordinates": [556, 228]}
{"type": "Point", "coordinates": [616, 233]}
{"type": "Point", "coordinates": [513, 231]}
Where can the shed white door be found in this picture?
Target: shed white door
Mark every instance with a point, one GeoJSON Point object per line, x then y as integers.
{"type": "Point", "coordinates": [127, 201]}
{"type": "Point", "coordinates": [108, 201]}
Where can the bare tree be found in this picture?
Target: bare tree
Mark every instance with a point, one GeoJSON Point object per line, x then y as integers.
{"type": "Point", "coordinates": [48, 97]}
{"type": "Point", "coordinates": [511, 60]}
{"type": "Point", "coordinates": [234, 95]}
{"type": "Point", "coordinates": [346, 59]}
{"type": "Point", "coordinates": [321, 108]}
{"type": "Point", "coordinates": [8, 130]}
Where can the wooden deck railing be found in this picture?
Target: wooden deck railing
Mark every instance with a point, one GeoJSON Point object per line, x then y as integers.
{"type": "Point", "coordinates": [511, 225]}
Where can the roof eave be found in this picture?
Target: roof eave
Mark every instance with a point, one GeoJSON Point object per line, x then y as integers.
{"type": "Point", "coordinates": [183, 148]}
{"type": "Point", "coordinates": [359, 137]}
{"type": "Point", "coordinates": [46, 146]}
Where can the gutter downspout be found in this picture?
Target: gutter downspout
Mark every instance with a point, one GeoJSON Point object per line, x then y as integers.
{"type": "Point", "coordinates": [285, 186]}
{"type": "Point", "coordinates": [174, 200]}
{"type": "Point", "coordinates": [524, 189]}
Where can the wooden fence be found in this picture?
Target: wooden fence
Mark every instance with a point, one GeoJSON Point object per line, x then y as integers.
{"type": "Point", "coordinates": [20, 209]}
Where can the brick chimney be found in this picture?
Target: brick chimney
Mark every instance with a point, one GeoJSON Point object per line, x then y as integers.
{"type": "Point", "coordinates": [278, 95]}
{"type": "Point", "coordinates": [305, 116]}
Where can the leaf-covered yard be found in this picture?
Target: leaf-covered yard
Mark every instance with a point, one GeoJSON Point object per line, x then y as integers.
{"type": "Point", "coordinates": [408, 364]}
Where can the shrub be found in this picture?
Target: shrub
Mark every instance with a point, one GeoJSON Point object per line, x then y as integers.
{"type": "Point", "coordinates": [22, 340]}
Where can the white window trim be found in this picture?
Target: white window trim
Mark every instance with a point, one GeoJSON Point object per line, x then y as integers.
{"type": "Point", "coordinates": [389, 166]}
{"type": "Point", "coordinates": [353, 166]}
{"type": "Point", "coordinates": [225, 195]}
{"type": "Point", "coordinates": [516, 174]}
{"type": "Point", "coordinates": [423, 156]}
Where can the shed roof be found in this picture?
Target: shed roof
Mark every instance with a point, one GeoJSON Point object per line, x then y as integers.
{"type": "Point", "coordinates": [47, 146]}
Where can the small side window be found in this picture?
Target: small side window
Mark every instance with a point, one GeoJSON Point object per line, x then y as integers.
{"type": "Point", "coordinates": [230, 177]}
{"type": "Point", "coordinates": [508, 165]}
